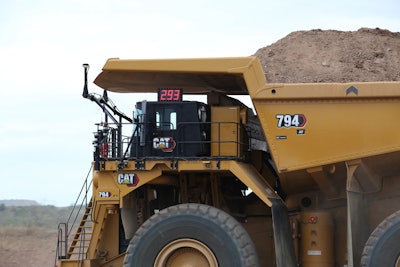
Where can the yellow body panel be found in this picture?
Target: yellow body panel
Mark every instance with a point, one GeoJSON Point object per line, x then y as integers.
{"type": "Point", "coordinates": [225, 131]}
{"type": "Point", "coordinates": [200, 75]}
{"type": "Point", "coordinates": [339, 125]}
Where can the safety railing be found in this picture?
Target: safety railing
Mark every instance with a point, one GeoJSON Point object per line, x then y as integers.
{"type": "Point", "coordinates": [209, 137]}
{"type": "Point", "coordinates": [65, 229]}
{"type": "Point", "coordinates": [61, 250]}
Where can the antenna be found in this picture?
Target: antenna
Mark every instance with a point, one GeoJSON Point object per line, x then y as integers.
{"type": "Point", "coordinates": [105, 96]}
{"type": "Point", "coordinates": [102, 102]}
{"type": "Point", "coordinates": [85, 93]}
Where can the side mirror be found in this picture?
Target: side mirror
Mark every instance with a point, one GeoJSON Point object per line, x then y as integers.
{"type": "Point", "coordinates": [85, 93]}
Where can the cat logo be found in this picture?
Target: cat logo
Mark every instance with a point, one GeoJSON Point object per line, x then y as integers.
{"type": "Point", "coordinates": [165, 144]}
{"type": "Point", "coordinates": [130, 179]}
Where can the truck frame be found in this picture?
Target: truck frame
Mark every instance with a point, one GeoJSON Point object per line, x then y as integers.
{"type": "Point", "coordinates": [308, 176]}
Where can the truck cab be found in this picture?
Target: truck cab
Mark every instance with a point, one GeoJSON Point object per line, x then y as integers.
{"type": "Point", "coordinates": [171, 129]}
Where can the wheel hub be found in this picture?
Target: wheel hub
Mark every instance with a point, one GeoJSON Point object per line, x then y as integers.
{"type": "Point", "coordinates": [185, 252]}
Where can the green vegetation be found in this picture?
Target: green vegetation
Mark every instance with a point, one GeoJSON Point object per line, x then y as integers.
{"type": "Point", "coordinates": [33, 216]}
{"type": "Point", "coordinates": [28, 234]}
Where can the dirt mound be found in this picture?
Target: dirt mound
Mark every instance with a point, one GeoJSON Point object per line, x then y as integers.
{"type": "Point", "coordinates": [333, 56]}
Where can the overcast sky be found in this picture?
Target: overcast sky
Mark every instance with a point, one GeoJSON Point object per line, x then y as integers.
{"type": "Point", "coordinates": [46, 126]}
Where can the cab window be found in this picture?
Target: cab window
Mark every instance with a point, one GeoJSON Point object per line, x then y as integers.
{"type": "Point", "coordinates": [166, 119]}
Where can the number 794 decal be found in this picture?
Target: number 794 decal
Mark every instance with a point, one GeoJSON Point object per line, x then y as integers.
{"type": "Point", "coordinates": [288, 120]}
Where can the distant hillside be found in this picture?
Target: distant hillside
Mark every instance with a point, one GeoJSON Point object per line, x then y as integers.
{"type": "Point", "coordinates": [32, 216]}
{"type": "Point", "coordinates": [18, 202]}
{"type": "Point", "coordinates": [29, 233]}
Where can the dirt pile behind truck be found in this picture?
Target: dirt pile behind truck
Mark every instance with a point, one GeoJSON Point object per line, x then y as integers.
{"type": "Point", "coordinates": [333, 56]}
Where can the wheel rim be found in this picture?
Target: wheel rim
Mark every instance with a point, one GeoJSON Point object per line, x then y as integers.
{"type": "Point", "coordinates": [397, 262]}
{"type": "Point", "coordinates": [186, 252]}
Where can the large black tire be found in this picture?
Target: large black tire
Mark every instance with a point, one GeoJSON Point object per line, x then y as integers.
{"type": "Point", "coordinates": [191, 235]}
{"type": "Point", "coordinates": [383, 246]}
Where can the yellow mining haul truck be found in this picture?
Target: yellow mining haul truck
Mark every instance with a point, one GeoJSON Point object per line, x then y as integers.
{"type": "Point", "coordinates": [310, 177]}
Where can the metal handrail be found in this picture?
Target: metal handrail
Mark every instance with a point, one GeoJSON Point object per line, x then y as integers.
{"type": "Point", "coordinates": [81, 250]}
{"type": "Point", "coordinates": [65, 228]}
{"type": "Point", "coordinates": [85, 188]}
{"type": "Point", "coordinates": [61, 242]}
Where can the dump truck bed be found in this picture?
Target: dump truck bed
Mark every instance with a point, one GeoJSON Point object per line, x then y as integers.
{"type": "Point", "coordinates": [306, 125]}
{"type": "Point", "coordinates": [338, 121]}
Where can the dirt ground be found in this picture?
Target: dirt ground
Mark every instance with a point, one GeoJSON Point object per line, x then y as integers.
{"type": "Point", "coordinates": [27, 246]}
{"type": "Point", "coordinates": [302, 56]}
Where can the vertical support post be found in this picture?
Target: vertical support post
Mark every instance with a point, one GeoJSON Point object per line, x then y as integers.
{"type": "Point", "coordinates": [284, 248]}
{"type": "Point", "coordinates": [184, 189]}
{"type": "Point", "coordinates": [119, 147]}
{"type": "Point", "coordinates": [113, 143]}
{"type": "Point", "coordinates": [214, 179]}
{"type": "Point", "coordinates": [358, 229]}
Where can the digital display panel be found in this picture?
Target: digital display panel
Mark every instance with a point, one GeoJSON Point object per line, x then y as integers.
{"type": "Point", "coordinates": [169, 94]}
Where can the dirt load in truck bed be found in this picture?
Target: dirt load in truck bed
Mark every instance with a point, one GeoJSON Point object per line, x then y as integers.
{"type": "Point", "coordinates": [333, 56]}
